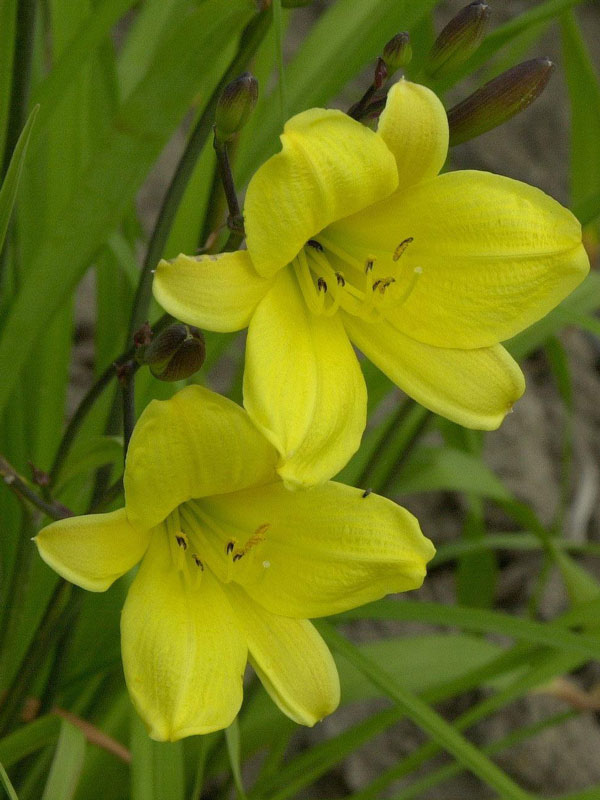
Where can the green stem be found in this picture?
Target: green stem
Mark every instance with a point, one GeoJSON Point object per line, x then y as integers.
{"type": "Point", "coordinates": [89, 400]}
{"type": "Point", "coordinates": [250, 41]}
{"type": "Point", "coordinates": [278, 24]}
{"type": "Point", "coordinates": [21, 76]}
{"type": "Point", "coordinates": [21, 488]}
{"type": "Point", "coordinates": [127, 380]}
{"type": "Point", "coordinates": [235, 215]}
{"type": "Point", "coordinates": [61, 612]}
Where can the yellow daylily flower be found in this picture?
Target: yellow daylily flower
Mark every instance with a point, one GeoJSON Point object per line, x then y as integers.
{"type": "Point", "coordinates": [232, 566]}
{"type": "Point", "coordinates": [353, 236]}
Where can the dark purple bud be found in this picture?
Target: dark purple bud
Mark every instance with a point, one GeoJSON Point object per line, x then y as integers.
{"type": "Point", "coordinates": [176, 353]}
{"type": "Point", "coordinates": [499, 100]}
{"type": "Point", "coordinates": [459, 39]}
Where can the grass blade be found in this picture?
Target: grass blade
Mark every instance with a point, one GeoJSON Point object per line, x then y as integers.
{"type": "Point", "coordinates": [444, 734]}
{"type": "Point", "coordinates": [10, 185]}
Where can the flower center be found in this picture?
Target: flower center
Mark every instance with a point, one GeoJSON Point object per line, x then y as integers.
{"type": "Point", "coordinates": [331, 278]}
{"type": "Point", "coordinates": [197, 542]}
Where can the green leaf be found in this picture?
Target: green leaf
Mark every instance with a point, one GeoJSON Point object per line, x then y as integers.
{"type": "Point", "coordinates": [584, 99]}
{"type": "Point", "coordinates": [28, 739]}
{"type": "Point", "coordinates": [10, 185]}
{"type": "Point", "coordinates": [157, 769]}
{"type": "Point", "coordinates": [444, 734]}
{"type": "Point", "coordinates": [10, 791]}
{"type": "Point", "coordinates": [420, 662]}
{"type": "Point", "coordinates": [66, 764]}
{"type": "Point", "coordinates": [479, 620]}
{"type": "Point", "coordinates": [92, 32]}
{"type": "Point", "coordinates": [436, 468]}
{"type": "Point", "coordinates": [188, 62]}
{"type": "Point", "coordinates": [232, 737]}
{"type": "Point", "coordinates": [89, 455]}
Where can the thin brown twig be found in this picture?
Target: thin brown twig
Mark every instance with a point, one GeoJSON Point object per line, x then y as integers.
{"type": "Point", "coordinates": [23, 490]}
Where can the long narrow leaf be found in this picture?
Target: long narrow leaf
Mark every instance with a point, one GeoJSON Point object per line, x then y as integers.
{"type": "Point", "coordinates": [445, 735]}
{"type": "Point", "coordinates": [10, 185]}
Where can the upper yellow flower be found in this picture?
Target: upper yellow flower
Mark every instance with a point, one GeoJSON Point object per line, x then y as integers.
{"type": "Point", "coordinates": [353, 236]}
{"type": "Point", "coordinates": [233, 564]}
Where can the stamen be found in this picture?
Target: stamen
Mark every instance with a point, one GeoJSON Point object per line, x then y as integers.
{"type": "Point", "coordinates": [315, 244]}
{"type": "Point", "coordinates": [257, 537]}
{"type": "Point", "coordinates": [325, 284]}
{"type": "Point", "coordinates": [367, 492]}
{"type": "Point", "coordinates": [402, 247]}
{"type": "Point", "coordinates": [182, 540]}
{"type": "Point", "coordinates": [229, 548]}
{"type": "Point", "coordinates": [369, 264]}
{"type": "Point", "coordinates": [383, 283]}
{"type": "Point", "coordinates": [341, 281]}
{"type": "Point", "coordinates": [197, 561]}
{"type": "Point", "coordinates": [315, 299]}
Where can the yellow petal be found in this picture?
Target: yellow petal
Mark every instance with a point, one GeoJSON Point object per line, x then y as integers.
{"type": "Point", "coordinates": [194, 444]}
{"type": "Point", "coordinates": [94, 550]}
{"type": "Point", "coordinates": [290, 658]}
{"type": "Point", "coordinates": [475, 388]}
{"type": "Point", "coordinates": [320, 551]}
{"type": "Point", "coordinates": [303, 386]}
{"type": "Point", "coordinates": [494, 255]}
{"type": "Point", "coordinates": [183, 652]}
{"type": "Point", "coordinates": [329, 166]}
{"type": "Point", "coordinates": [219, 293]}
{"type": "Point", "coordinates": [414, 126]}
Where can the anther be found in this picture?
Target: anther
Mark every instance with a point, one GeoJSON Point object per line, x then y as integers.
{"type": "Point", "coordinates": [237, 556]}
{"type": "Point", "coordinates": [401, 248]}
{"type": "Point", "coordinates": [229, 548]}
{"type": "Point", "coordinates": [198, 562]}
{"type": "Point", "coordinates": [382, 284]}
{"type": "Point", "coordinates": [367, 492]}
{"type": "Point", "coordinates": [341, 281]}
{"type": "Point", "coordinates": [369, 265]}
{"type": "Point", "coordinates": [182, 541]}
{"type": "Point", "coordinates": [315, 244]}
{"type": "Point", "coordinates": [322, 284]}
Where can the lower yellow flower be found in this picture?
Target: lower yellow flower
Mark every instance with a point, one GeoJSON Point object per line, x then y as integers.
{"type": "Point", "coordinates": [233, 564]}
{"type": "Point", "coordinates": [354, 238]}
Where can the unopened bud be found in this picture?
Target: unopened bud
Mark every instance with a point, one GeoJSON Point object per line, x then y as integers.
{"type": "Point", "coordinates": [459, 39]}
{"type": "Point", "coordinates": [176, 353]}
{"type": "Point", "coordinates": [499, 100]}
{"type": "Point", "coordinates": [235, 106]}
{"type": "Point", "coordinates": [398, 52]}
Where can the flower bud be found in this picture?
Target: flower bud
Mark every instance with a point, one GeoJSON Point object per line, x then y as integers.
{"type": "Point", "coordinates": [461, 37]}
{"type": "Point", "coordinates": [176, 353]}
{"type": "Point", "coordinates": [235, 106]}
{"type": "Point", "coordinates": [499, 100]}
{"type": "Point", "coordinates": [398, 52]}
